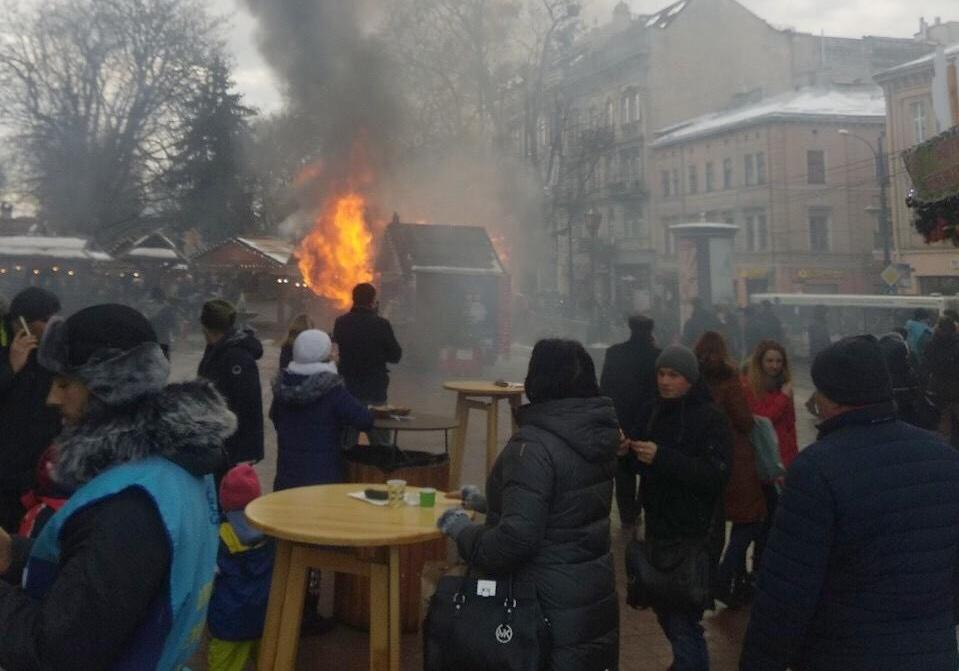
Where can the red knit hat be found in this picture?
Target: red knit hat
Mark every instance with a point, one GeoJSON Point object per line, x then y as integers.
{"type": "Point", "coordinates": [239, 486]}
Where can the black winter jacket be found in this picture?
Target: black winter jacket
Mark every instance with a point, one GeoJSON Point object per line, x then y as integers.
{"type": "Point", "coordinates": [367, 344]}
{"type": "Point", "coordinates": [28, 427]}
{"type": "Point", "coordinates": [629, 378]}
{"type": "Point", "coordinates": [683, 487]}
{"type": "Point", "coordinates": [549, 497]}
{"type": "Point", "coordinates": [942, 368]}
{"type": "Point", "coordinates": [860, 570]}
{"type": "Point", "coordinates": [231, 366]}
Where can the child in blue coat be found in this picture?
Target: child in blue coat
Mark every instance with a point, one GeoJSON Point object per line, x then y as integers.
{"type": "Point", "coordinates": [241, 588]}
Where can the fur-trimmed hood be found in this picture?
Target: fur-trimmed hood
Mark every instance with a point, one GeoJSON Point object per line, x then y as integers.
{"type": "Point", "coordinates": [296, 389]}
{"type": "Point", "coordinates": [186, 423]}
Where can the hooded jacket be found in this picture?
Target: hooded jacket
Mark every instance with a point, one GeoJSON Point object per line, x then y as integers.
{"type": "Point", "coordinates": [860, 571]}
{"type": "Point", "coordinates": [549, 497]}
{"type": "Point", "coordinates": [115, 554]}
{"type": "Point", "coordinates": [683, 487]}
{"type": "Point", "coordinates": [310, 413]}
{"type": "Point", "coordinates": [231, 365]}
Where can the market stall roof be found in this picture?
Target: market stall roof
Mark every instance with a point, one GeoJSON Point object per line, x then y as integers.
{"type": "Point", "coordinates": [154, 247]}
{"type": "Point", "coordinates": [35, 246]}
{"type": "Point", "coordinates": [248, 253]}
{"type": "Point", "coordinates": [424, 248]}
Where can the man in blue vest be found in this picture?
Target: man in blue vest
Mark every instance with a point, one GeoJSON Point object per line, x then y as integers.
{"type": "Point", "coordinates": [120, 577]}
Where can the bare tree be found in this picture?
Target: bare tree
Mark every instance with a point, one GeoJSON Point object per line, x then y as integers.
{"type": "Point", "coordinates": [93, 93]}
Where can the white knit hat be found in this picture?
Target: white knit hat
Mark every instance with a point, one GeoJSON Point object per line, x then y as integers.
{"type": "Point", "coordinates": [311, 354]}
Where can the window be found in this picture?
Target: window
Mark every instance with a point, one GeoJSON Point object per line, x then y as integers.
{"type": "Point", "coordinates": [819, 229]}
{"type": "Point", "coordinates": [710, 177]}
{"type": "Point", "coordinates": [816, 166]}
{"type": "Point", "coordinates": [750, 170]}
{"type": "Point", "coordinates": [666, 184]}
{"type": "Point", "coordinates": [693, 179]}
{"type": "Point", "coordinates": [608, 120]}
{"type": "Point", "coordinates": [624, 110]}
{"type": "Point", "coordinates": [728, 174]}
{"type": "Point", "coordinates": [633, 223]}
{"type": "Point", "coordinates": [757, 231]}
{"type": "Point", "coordinates": [676, 190]}
{"type": "Point", "coordinates": [670, 238]}
{"type": "Point", "coordinates": [634, 107]}
{"type": "Point", "coordinates": [919, 121]}
{"type": "Point", "coordinates": [760, 168]}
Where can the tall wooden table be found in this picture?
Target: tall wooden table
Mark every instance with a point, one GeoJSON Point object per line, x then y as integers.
{"type": "Point", "coordinates": [485, 397]}
{"type": "Point", "coordinates": [302, 519]}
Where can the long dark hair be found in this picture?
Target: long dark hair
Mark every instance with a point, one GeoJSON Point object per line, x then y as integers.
{"type": "Point", "coordinates": [560, 369]}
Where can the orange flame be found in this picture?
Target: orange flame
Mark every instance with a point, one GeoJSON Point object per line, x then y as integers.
{"type": "Point", "coordinates": [338, 253]}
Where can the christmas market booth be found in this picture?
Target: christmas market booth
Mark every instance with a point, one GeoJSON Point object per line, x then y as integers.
{"type": "Point", "coordinates": [258, 273]}
{"type": "Point", "coordinates": [447, 294]}
{"type": "Point", "coordinates": [934, 198]}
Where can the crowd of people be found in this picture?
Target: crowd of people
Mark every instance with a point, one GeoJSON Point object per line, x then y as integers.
{"type": "Point", "coordinates": [122, 495]}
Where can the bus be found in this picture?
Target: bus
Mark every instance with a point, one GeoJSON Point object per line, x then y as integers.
{"type": "Point", "coordinates": [848, 314]}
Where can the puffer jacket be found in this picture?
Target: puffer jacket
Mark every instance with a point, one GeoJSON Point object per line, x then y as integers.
{"type": "Point", "coordinates": [860, 570]}
{"type": "Point", "coordinates": [231, 365]}
{"type": "Point", "coordinates": [744, 500]}
{"type": "Point", "coordinates": [683, 487]}
{"type": "Point", "coordinates": [549, 497]}
{"type": "Point", "coordinates": [310, 413]}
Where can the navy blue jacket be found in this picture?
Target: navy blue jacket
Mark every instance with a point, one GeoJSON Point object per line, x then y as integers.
{"type": "Point", "coordinates": [860, 570]}
{"type": "Point", "coordinates": [310, 413]}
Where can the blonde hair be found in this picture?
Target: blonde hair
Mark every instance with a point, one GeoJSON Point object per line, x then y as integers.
{"type": "Point", "coordinates": [300, 323]}
{"type": "Point", "coordinates": [755, 370]}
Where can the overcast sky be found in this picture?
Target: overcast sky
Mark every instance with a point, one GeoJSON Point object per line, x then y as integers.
{"type": "Point", "coordinates": [852, 18]}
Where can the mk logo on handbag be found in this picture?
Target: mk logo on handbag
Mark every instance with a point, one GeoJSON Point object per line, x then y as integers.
{"type": "Point", "coordinates": [504, 633]}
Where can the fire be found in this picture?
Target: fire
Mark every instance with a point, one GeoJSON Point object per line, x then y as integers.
{"type": "Point", "coordinates": [501, 245]}
{"type": "Point", "coordinates": [338, 253]}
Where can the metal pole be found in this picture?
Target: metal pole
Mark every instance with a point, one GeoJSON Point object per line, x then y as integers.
{"type": "Point", "coordinates": [884, 219]}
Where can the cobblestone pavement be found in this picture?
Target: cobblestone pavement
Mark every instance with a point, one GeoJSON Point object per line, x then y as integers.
{"type": "Point", "coordinates": [642, 645]}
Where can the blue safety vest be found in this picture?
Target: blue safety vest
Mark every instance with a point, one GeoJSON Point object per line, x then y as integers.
{"type": "Point", "coordinates": [173, 625]}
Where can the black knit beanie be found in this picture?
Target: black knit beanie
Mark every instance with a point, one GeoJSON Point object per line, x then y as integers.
{"type": "Point", "coordinates": [34, 304]}
{"type": "Point", "coordinates": [853, 372]}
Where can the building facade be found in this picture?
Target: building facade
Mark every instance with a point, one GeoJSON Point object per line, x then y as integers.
{"type": "Point", "coordinates": [640, 73]}
{"type": "Point", "coordinates": [804, 196]}
{"type": "Point", "coordinates": [914, 115]}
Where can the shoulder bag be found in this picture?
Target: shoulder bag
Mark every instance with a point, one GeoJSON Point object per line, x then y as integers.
{"type": "Point", "coordinates": [485, 625]}
{"type": "Point", "coordinates": [765, 442]}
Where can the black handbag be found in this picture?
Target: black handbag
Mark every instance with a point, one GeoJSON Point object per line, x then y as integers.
{"type": "Point", "coordinates": [485, 625]}
{"type": "Point", "coordinates": [669, 574]}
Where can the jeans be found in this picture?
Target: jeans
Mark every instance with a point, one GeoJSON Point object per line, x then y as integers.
{"type": "Point", "coordinates": [684, 630]}
{"type": "Point", "coordinates": [734, 558]}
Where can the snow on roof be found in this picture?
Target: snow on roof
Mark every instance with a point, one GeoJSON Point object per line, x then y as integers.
{"type": "Point", "coordinates": [869, 104]}
{"type": "Point", "coordinates": [53, 247]}
{"type": "Point", "coordinates": [277, 249]}
{"type": "Point", "coordinates": [663, 18]}
{"type": "Point", "coordinates": [951, 52]}
{"type": "Point", "coordinates": [153, 253]}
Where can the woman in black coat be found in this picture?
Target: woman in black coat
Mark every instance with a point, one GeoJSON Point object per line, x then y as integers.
{"type": "Point", "coordinates": [548, 502]}
{"type": "Point", "coordinates": [684, 456]}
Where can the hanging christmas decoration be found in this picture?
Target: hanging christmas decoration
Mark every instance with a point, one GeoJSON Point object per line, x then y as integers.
{"type": "Point", "coordinates": [934, 198]}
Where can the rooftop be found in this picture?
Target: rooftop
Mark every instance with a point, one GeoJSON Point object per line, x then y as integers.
{"type": "Point", "coordinates": [277, 249]}
{"type": "Point", "coordinates": [443, 249]}
{"type": "Point", "coordinates": [952, 52]}
{"type": "Point", "coordinates": [52, 247]}
{"type": "Point", "coordinates": [807, 104]}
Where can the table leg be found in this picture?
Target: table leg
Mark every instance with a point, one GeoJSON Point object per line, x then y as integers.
{"type": "Point", "coordinates": [394, 610]}
{"type": "Point", "coordinates": [515, 402]}
{"type": "Point", "coordinates": [380, 617]}
{"type": "Point", "coordinates": [492, 431]}
{"type": "Point", "coordinates": [274, 611]}
{"type": "Point", "coordinates": [295, 594]}
{"type": "Point", "coordinates": [459, 442]}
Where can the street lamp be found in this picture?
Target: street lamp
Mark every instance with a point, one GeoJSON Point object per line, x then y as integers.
{"type": "Point", "coordinates": [593, 221]}
{"type": "Point", "coordinates": [882, 176]}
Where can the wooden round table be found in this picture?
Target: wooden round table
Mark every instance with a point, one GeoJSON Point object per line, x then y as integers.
{"type": "Point", "coordinates": [417, 422]}
{"type": "Point", "coordinates": [306, 517]}
{"type": "Point", "coordinates": [483, 396]}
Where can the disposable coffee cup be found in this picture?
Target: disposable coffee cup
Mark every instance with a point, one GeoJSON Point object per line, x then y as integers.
{"type": "Point", "coordinates": [396, 489]}
{"type": "Point", "coordinates": [411, 499]}
{"type": "Point", "coordinates": [427, 497]}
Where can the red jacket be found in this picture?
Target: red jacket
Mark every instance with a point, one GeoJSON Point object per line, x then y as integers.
{"type": "Point", "coordinates": [780, 410]}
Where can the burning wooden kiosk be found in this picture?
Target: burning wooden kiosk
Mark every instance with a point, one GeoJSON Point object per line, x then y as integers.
{"type": "Point", "coordinates": [447, 294]}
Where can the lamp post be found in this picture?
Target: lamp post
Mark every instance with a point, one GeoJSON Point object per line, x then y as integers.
{"type": "Point", "coordinates": [593, 222]}
{"type": "Point", "coordinates": [882, 176]}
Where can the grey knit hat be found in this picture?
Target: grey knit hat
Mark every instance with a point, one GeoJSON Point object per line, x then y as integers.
{"type": "Point", "coordinates": [680, 359]}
